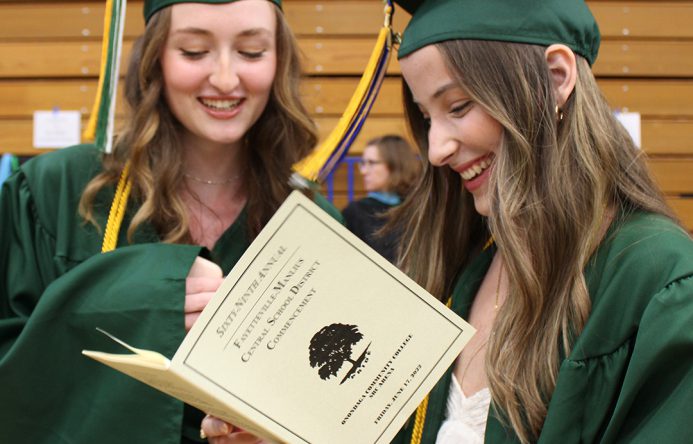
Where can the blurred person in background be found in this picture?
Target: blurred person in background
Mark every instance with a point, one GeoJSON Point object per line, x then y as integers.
{"type": "Point", "coordinates": [389, 167]}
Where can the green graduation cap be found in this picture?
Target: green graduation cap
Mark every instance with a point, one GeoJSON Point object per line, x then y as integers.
{"type": "Point", "coordinates": [151, 6]}
{"type": "Point", "coordinates": [541, 22]}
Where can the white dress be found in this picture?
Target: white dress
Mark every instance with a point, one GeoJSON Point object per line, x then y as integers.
{"type": "Point", "coordinates": [465, 421]}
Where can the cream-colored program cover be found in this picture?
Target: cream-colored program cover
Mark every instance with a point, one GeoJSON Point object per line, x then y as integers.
{"type": "Point", "coordinates": [312, 338]}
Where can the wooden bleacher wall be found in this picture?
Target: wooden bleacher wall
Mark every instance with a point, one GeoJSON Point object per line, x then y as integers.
{"type": "Point", "coordinates": [50, 51]}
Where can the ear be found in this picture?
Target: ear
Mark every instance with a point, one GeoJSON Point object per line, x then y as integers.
{"type": "Point", "coordinates": [561, 62]}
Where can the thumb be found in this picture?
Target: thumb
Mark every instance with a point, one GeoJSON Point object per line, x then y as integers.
{"type": "Point", "coordinates": [213, 426]}
{"type": "Point", "coordinates": [205, 268]}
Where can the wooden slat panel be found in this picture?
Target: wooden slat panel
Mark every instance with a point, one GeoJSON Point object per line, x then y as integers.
{"type": "Point", "coordinates": [54, 59]}
{"type": "Point", "coordinates": [645, 58]}
{"type": "Point", "coordinates": [340, 180]}
{"type": "Point", "coordinates": [343, 56]}
{"type": "Point", "coordinates": [330, 96]}
{"type": "Point", "coordinates": [662, 137]}
{"type": "Point", "coordinates": [323, 56]}
{"type": "Point", "coordinates": [62, 19]}
{"type": "Point", "coordinates": [374, 127]}
{"type": "Point", "coordinates": [17, 138]}
{"type": "Point", "coordinates": [69, 19]}
{"type": "Point", "coordinates": [354, 17]}
{"type": "Point", "coordinates": [617, 58]}
{"type": "Point", "coordinates": [339, 200]}
{"type": "Point", "coordinates": [330, 55]}
{"type": "Point", "coordinates": [16, 133]}
{"type": "Point", "coordinates": [684, 210]}
{"type": "Point", "coordinates": [674, 176]}
{"type": "Point", "coordinates": [653, 99]}
{"type": "Point", "coordinates": [643, 18]}
{"type": "Point", "coordinates": [20, 98]}
{"type": "Point", "coordinates": [59, 19]}
{"type": "Point", "coordinates": [650, 98]}
{"type": "Point", "coordinates": [671, 98]}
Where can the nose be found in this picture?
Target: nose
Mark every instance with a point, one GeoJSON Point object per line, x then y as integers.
{"type": "Point", "coordinates": [442, 146]}
{"type": "Point", "coordinates": [224, 76]}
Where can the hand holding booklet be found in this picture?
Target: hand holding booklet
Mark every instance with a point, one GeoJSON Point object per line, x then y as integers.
{"type": "Point", "coordinates": [312, 338]}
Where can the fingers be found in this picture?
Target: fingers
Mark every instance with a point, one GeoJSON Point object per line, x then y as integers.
{"type": "Point", "coordinates": [221, 432]}
{"type": "Point", "coordinates": [204, 268]}
{"type": "Point", "coordinates": [194, 304]}
{"type": "Point", "coordinates": [212, 427]}
{"type": "Point", "coordinates": [195, 285]}
{"type": "Point", "coordinates": [198, 292]}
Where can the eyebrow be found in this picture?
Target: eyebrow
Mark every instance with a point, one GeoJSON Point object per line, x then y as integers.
{"type": "Point", "coordinates": [246, 33]}
{"type": "Point", "coordinates": [440, 91]}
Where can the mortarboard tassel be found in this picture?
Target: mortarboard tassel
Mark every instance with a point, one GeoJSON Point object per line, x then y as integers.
{"type": "Point", "coordinates": [102, 119]}
{"type": "Point", "coordinates": [320, 163]}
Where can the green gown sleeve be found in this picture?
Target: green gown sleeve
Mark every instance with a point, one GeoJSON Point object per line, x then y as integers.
{"type": "Point", "coordinates": [657, 394]}
{"type": "Point", "coordinates": [50, 305]}
{"type": "Point", "coordinates": [50, 390]}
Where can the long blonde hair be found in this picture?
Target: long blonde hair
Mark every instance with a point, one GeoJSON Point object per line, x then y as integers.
{"type": "Point", "coordinates": [149, 140]}
{"type": "Point", "coordinates": [551, 189]}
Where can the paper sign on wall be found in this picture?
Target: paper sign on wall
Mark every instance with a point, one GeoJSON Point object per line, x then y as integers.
{"type": "Point", "coordinates": [56, 129]}
{"type": "Point", "coordinates": [631, 122]}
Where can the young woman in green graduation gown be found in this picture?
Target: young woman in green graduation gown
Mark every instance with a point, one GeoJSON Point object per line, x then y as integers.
{"type": "Point", "coordinates": [537, 221]}
{"type": "Point", "coordinates": [215, 126]}
{"type": "Point", "coordinates": [583, 297]}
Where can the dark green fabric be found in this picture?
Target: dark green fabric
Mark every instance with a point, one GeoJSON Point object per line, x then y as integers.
{"type": "Point", "coordinates": [629, 378]}
{"type": "Point", "coordinates": [151, 6]}
{"type": "Point", "coordinates": [58, 288]}
{"type": "Point", "coordinates": [540, 22]}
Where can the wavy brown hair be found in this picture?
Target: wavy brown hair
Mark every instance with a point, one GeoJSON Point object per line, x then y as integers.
{"type": "Point", "coordinates": [400, 160]}
{"type": "Point", "coordinates": [149, 140]}
{"type": "Point", "coordinates": [552, 186]}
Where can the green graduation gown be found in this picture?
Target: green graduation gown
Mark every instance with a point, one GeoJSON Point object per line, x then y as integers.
{"type": "Point", "coordinates": [58, 288]}
{"type": "Point", "coordinates": [629, 377]}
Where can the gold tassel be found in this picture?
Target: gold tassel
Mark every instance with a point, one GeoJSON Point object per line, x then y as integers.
{"type": "Point", "coordinates": [317, 165]}
{"type": "Point", "coordinates": [118, 206]}
{"type": "Point", "coordinates": [417, 431]}
{"type": "Point", "coordinates": [90, 130]}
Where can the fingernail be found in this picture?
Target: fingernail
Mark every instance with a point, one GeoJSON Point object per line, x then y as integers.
{"type": "Point", "coordinates": [224, 428]}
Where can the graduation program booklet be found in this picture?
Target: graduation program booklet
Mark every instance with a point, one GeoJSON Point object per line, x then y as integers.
{"type": "Point", "coordinates": [312, 338]}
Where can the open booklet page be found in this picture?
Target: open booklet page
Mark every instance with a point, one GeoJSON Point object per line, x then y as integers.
{"type": "Point", "coordinates": [313, 337]}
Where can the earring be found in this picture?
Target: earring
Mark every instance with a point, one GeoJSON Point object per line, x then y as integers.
{"type": "Point", "coordinates": [559, 114]}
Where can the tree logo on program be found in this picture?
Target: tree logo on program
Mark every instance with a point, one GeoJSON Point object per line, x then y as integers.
{"type": "Point", "coordinates": [332, 346]}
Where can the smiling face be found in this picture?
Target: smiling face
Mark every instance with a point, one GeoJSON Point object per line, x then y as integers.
{"type": "Point", "coordinates": [461, 135]}
{"type": "Point", "coordinates": [219, 64]}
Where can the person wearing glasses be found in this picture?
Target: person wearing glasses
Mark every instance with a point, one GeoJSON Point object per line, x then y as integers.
{"type": "Point", "coordinates": [389, 168]}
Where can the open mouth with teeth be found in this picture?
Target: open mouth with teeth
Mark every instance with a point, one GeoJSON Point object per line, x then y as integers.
{"type": "Point", "coordinates": [221, 105]}
{"type": "Point", "coordinates": [476, 169]}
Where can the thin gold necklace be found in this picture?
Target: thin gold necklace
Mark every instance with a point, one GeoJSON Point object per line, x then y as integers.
{"type": "Point", "coordinates": [212, 182]}
{"type": "Point", "coordinates": [500, 273]}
